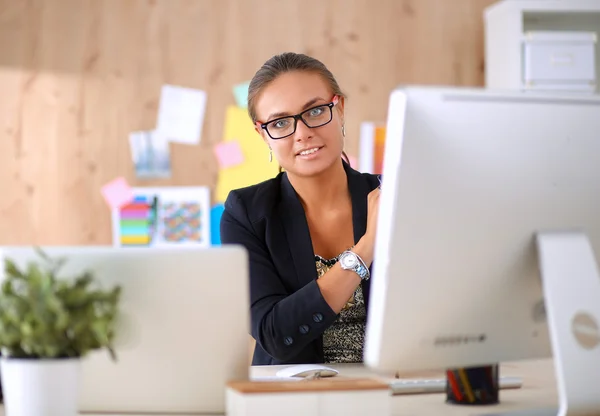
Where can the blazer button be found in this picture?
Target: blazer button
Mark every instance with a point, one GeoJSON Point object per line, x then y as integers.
{"type": "Point", "coordinates": [288, 341]}
{"type": "Point", "coordinates": [304, 329]}
{"type": "Point", "coordinates": [317, 317]}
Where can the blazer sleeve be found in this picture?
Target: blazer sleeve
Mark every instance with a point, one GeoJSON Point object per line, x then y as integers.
{"type": "Point", "coordinates": [282, 323]}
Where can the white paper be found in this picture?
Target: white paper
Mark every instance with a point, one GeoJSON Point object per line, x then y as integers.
{"type": "Point", "coordinates": [181, 114]}
{"type": "Point", "coordinates": [366, 147]}
{"type": "Point", "coordinates": [150, 154]}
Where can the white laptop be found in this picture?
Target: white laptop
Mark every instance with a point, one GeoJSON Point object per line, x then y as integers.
{"type": "Point", "coordinates": [184, 327]}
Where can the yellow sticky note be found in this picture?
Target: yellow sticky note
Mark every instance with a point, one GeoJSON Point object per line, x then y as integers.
{"type": "Point", "coordinates": [255, 167]}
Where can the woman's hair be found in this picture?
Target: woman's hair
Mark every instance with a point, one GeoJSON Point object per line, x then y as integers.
{"type": "Point", "coordinates": [288, 62]}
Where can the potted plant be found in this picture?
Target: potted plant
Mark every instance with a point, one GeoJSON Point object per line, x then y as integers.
{"type": "Point", "coordinates": [47, 325]}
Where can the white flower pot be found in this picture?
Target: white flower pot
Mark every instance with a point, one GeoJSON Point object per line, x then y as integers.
{"type": "Point", "coordinates": [44, 387]}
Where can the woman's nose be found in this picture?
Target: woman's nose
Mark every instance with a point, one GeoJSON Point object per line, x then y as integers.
{"type": "Point", "coordinates": [302, 132]}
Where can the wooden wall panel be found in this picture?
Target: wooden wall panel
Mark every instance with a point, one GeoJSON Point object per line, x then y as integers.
{"type": "Point", "coordinates": [76, 76]}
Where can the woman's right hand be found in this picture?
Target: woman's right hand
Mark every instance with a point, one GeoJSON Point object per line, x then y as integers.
{"type": "Point", "coordinates": [366, 245]}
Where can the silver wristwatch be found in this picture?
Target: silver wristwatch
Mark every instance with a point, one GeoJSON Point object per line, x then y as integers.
{"type": "Point", "coordinates": [352, 261]}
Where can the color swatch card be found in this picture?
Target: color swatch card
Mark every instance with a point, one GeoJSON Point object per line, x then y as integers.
{"type": "Point", "coordinates": [164, 217]}
{"type": "Point", "coordinates": [137, 221]}
{"type": "Point", "coordinates": [182, 222]}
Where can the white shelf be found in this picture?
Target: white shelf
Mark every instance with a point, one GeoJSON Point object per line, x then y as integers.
{"type": "Point", "coordinates": [507, 21]}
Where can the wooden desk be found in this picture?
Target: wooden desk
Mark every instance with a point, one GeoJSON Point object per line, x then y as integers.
{"type": "Point", "coordinates": [538, 391]}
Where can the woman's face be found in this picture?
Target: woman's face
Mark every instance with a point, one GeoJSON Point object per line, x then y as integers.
{"type": "Point", "coordinates": [308, 151]}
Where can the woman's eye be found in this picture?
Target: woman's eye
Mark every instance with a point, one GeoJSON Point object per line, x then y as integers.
{"type": "Point", "coordinates": [280, 124]}
{"type": "Point", "coordinates": [316, 112]}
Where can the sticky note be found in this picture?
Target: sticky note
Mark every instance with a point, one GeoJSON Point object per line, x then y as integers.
{"type": "Point", "coordinates": [229, 154]}
{"type": "Point", "coordinates": [181, 114]}
{"type": "Point", "coordinates": [215, 224]}
{"type": "Point", "coordinates": [117, 193]}
{"type": "Point", "coordinates": [256, 166]}
{"type": "Point", "coordinates": [240, 92]}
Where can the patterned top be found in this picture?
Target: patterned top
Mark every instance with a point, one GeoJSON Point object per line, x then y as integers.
{"type": "Point", "coordinates": [343, 341]}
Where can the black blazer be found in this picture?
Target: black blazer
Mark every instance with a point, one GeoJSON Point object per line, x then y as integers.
{"type": "Point", "coordinates": [288, 311]}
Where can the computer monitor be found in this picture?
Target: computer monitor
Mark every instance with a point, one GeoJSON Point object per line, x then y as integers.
{"type": "Point", "coordinates": [183, 326]}
{"type": "Point", "coordinates": [489, 222]}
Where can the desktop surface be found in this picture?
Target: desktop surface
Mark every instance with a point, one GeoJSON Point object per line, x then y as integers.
{"type": "Point", "coordinates": [538, 392]}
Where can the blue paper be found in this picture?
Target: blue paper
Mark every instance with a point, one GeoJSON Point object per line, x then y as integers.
{"type": "Point", "coordinates": [215, 224]}
{"type": "Point", "coordinates": [240, 92]}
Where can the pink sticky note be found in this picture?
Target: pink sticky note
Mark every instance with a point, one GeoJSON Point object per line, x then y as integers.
{"type": "Point", "coordinates": [117, 193]}
{"type": "Point", "coordinates": [229, 154]}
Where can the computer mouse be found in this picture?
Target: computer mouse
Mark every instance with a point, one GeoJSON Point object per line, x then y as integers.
{"type": "Point", "coordinates": [307, 370]}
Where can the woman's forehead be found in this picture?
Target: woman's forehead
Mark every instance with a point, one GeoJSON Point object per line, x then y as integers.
{"type": "Point", "coordinates": [289, 93]}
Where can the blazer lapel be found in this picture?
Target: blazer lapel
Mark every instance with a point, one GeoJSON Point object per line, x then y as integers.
{"type": "Point", "coordinates": [297, 233]}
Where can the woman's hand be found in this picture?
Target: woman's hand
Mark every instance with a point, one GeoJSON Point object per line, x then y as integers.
{"type": "Point", "coordinates": [335, 285]}
{"type": "Point", "coordinates": [366, 245]}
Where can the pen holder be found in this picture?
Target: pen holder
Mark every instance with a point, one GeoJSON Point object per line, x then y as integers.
{"type": "Point", "coordinates": [473, 385]}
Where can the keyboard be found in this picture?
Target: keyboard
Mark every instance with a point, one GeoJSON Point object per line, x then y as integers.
{"type": "Point", "coordinates": [438, 385]}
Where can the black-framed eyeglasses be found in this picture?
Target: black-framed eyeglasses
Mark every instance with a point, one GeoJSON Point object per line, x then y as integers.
{"type": "Point", "coordinates": [313, 117]}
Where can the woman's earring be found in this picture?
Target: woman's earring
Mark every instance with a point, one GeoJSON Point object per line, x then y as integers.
{"type": "Point", "coordinates": [270, 155]}
{"type": "Point", "coordinates": [343, 130]}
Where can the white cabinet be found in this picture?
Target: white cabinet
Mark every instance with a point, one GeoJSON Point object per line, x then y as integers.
{"type": "Point", "coordinates": [548, 45]}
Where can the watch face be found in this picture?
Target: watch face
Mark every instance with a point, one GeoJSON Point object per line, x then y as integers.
{"type": "Point", "coordinates": [348, 261]}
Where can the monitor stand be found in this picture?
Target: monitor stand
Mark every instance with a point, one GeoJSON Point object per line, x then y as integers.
{"type": "Point", "coordinates": [571, 286]}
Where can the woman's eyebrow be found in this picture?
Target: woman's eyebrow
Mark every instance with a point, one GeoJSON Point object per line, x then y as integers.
{"type": "Point", "coordinates": [283, 114]}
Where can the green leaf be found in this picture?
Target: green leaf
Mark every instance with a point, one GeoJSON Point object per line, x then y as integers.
{"type": "Point", "coordinates": [43, 315]}
{"type": "Point", "coordinates": [11, 269]}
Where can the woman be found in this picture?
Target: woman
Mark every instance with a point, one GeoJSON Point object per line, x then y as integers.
{"type": "Point", "coordinates": [309, 231]}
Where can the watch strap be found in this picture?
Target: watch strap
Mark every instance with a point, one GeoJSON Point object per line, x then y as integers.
{"type": "Point", "coordinates": [361, 268]}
